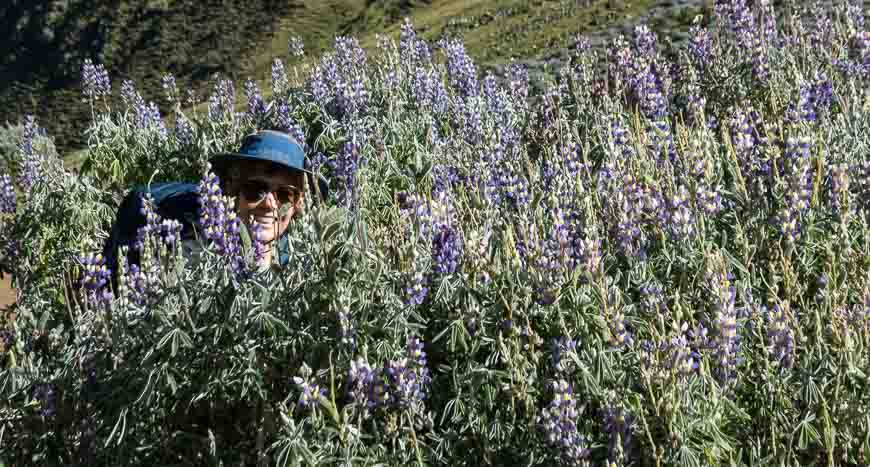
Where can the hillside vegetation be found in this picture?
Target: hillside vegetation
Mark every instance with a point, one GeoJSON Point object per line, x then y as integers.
{"type": "Point", "coordinates": [659, 257]}
{"type": "Point", "coordinates": [44, 42]}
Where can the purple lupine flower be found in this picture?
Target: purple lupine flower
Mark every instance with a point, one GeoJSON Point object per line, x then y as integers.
{"type": "Point", "coordinates": [680, 222]}
{"type": "Point", "coordinates": [170, 232]}
{"type": "Point", "coordinates": [222, 102]}
{"type": "Point", "coordinates": [617, 423]}
{"type": "Point", "coordinates": [360, 381]}
{"type": "Point", "coordinates": [461, 71]}
{"type": "Point", "coordinates": [152, 119]}
{"type": "Point", "coordinates": [648, 93]}
{"type": "Point", "coordinates": [8, 200]}
{"type": "Point", "coordinates": [708, 200]}
{"type": "Point", "coordinates": [840, 193]}
{"type": "Point", "coordinates": [859, 50]}
{"type": "Point", "coordinates": [399, 384]}
{"type": "Point", "coordinates": [620, 335]}
{"type": "Point", "coordinates": [416, 289]}
{"type": "Point", "coordinates": [311, 393]}
{"type": "Point", "coordinates": [695, 104]}
{"type": "Point", "coordinates": [558, 423]}
{"type": "Point", "coordinates": [746, 129]}
{"type": "Point", "coordinates": [414, 51]}
{"type": "Point", "coordinates": [700, 47]}
{"type": "Point", "coordinates": [316, 162]}
{"type": "Point", "coordinates": [7, 338]}
{"type": "Point", "coordinates": [855, 15]}
{"type": "Point", "coordinates": [349, 55]}
{"type": "Point", "coordinates": [296, 46]}
{"type": "Point", "coordinates": [444, 178]}
{"type": "Point", "coordinates": [415, 351]}
{"type": "Point", "coordinates": [145, 115]}
{"type": "Point", "coordinates": [95, 274]}
{"type": "Point", "coordinates": [391, 81]}
{"type": "Point", "coordinates": [286, 123]}
{"type": "Point", "coordinates": [588, 254]}
{"type": "Point", "coordinates": [813, 99]}
{"type": "Point", "coordinates": [620, 62]}
{"type": "Point", "coordinates": [653, 301]}
{"type": "Point", "coordinates": [46, 395]}
{"type": "Point", "coordinates": [152, 222]}
{"type": "Point", "coordinates": [345, 167]}
{"type": "Point", "coordinates": [169, 87]}
{"type": "Point", "coordinates": [95, 80]}
{"type": "Point", "coordinates": [318, 83]}
{"type": "Point", "coordinates": [352, 97]}
{"type": "Point", "coordinates": [780, 337]}
{"type": "Point", "coordinates": [429, 92]}
{"type": "Point", "coordinates": [31, 165]}
{"type": "Point", "coordinates": [572, 159]}
{"type": "Point", "coordinates": [347, 330]}
{"type": "Point", "coordinates": [562, 346]}
{"type": "Point", "coordinates": [256, 106]}
{"type": "Point", "coordinates": [753, 40]}
{"type": "Point", "coordinates": [469, 120]}
{"type": "Point", "coordinates": [338, 82]}
{"type": "Point", "coordinates": [219, 221]}
{"type": "Point", "coordinates": [629, 204]}
{"type": "Point", "coordinates": [548, 111]}
{"type": "Point", "coordinates": [799, 188]}
{"type": "Point", "coordinates": [131, 96]}
{"type": "Point", "coordinates": [446, 249]}
{"type": "Point", "coordinates": [184, 132]}
{"type": "Point", "coordinates": [726, 343]}
{"type": "Point", "coordinates": [280, 81]}
{"type": "Point", "coordinates": [136, 283]}
{"type": "Point", "coordinates": [621, 145]}
{"type": "Point", "coordinates": [645, 41]}
{"type": "Point", "coordinates": [518, 84]}
{"type": "Point", "coordinates": [416, 374]}
{"type": "Point", "coordinates": [682, 359]}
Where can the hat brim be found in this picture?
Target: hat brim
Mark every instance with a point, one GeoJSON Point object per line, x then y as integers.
{"type": "Point", "coordinates": [221, 161]}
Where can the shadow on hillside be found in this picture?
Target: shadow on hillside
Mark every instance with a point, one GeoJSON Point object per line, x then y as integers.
{"type": "Point", "coordinates": [43, 44]}
{"type": "Point", "coordinates": [49, 39]}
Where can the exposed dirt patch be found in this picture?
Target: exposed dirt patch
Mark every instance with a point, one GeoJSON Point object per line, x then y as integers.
{"type": "Point", "coordinates": [7, 294]}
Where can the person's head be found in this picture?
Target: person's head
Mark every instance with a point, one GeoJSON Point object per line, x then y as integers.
{"type": "Point", "coordinates": [268, 195]}
{"type": "Point", "coordinates": [268, 178]}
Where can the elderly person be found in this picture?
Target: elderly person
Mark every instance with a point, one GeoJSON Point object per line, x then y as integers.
{"type": "Point", "coordinates": [267, 176]}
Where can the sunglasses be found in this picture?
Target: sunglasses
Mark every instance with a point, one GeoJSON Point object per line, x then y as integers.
{"type": "Point", "coordinates": [257, 190]}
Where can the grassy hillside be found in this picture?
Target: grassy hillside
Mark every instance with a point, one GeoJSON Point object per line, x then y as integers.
{"type": "Point", "coordinates": [43, 42]}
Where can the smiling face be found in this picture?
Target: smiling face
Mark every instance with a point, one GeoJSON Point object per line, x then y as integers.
{"type": "Point", "coordinates": [274, 211]}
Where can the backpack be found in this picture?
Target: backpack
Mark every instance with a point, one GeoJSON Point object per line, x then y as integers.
{"type": "Point", "coordinates": [172, 200]}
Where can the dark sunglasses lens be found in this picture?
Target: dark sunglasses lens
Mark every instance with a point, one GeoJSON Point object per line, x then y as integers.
{"type": "Point", "coordinates": [287, 195]}
{"type": "Point", "coordinates": [255, 190]}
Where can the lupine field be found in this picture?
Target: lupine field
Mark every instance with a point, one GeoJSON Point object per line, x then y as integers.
{"type": "Point", "coordinates": [663, 258]}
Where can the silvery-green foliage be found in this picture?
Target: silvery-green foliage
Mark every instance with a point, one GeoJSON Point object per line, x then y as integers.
{"type": "Point", "coordinates": [10, 135]}
{"type": "Point", "coordinates": [10, 138]}
{"type": "Point", "coordinates": [658, 258]}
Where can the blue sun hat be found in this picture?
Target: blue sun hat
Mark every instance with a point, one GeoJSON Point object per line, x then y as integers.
{"type": "Point", "coordinates": [276, 147]}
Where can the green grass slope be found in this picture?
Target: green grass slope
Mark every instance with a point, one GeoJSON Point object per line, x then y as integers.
{"type": "Point", "coordinates": [44, 42]}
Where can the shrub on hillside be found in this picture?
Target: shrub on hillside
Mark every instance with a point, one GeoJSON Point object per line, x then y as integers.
{"type": "Point", "coordinates": [661, 263]}
{"type": "Point", "coordinates": [10, 138]}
